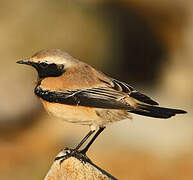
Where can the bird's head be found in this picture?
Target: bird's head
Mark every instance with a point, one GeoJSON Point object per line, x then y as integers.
{"type": "Point", "coordinates": [50, 63]}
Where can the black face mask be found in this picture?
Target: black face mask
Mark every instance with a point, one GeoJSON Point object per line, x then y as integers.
{"type": "Point", "coordinates": [48, 70]}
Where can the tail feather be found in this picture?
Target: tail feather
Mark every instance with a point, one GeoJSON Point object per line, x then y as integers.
{"type": "Point", "coordinates": [157, 112]}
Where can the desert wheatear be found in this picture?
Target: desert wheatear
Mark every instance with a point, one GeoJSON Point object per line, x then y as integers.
{"type": "Point", "coordinates": [76, 92]}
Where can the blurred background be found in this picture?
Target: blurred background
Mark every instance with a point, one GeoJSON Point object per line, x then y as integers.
{"type": "Point", "coordinates": [146, 43]}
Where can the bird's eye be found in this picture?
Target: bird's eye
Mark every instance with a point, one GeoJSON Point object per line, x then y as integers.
{"type": "Point", "coordinates": [43, 65]}
{"type": "Point", "coordinates": [61, 66]}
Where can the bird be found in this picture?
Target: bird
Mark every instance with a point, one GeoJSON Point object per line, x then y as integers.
{"type": "Point", "coordinates": [76, 92]}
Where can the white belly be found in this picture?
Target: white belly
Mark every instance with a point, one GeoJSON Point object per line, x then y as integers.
{"type": "Point", "coordinates": [85, 115]}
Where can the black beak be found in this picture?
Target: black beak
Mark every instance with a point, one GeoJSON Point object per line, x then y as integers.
{"type": "Point", "coordinates": [27, 62]}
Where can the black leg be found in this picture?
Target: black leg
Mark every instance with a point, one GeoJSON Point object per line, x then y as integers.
{"type": "Point", "coordinates": [82, 153]}
{"type": "Point", "coordinates": [92, 140]}
{"type": "Point", "coordinates": [84, 139]}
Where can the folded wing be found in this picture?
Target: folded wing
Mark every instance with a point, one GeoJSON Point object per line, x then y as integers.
{"type": "Point", "coordinates": [113, 95]}
{"type": "Point", "coordinates": [95, 97]}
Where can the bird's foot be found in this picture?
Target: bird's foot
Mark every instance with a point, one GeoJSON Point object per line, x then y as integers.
{"type": "Point", "coordinates": [68, 152]}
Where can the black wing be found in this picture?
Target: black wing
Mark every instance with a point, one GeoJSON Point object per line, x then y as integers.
{"type": "Point", "coordinates": [110, 96]}
{"type": "Point", "coordinates": [120, 86]}
{"type": "Point", "coordinates": [95, 97]}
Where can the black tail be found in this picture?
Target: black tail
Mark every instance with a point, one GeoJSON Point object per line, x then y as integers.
{"type": "Point", "coordinates": [157, 112]}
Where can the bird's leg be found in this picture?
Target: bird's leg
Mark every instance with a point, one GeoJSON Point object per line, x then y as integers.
{"type": "Point", "coordinates": [92, 140]}
{"type": "Point", "coordinates": [84, 139]}
{"type": "Point", "coordinates": [74, 152]}
{"type": "Point", "coordinates": [80, 154]}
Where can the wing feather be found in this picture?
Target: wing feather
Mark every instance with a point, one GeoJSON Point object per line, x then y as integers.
{"type": "Point", "coordinates": [121, 86]}
{"type": "Point", "coordinates": [88, 97]}
{"type": "Point", "coordinates": [110, 96]}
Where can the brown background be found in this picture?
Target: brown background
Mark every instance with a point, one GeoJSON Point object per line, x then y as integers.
{"type": "Point", "coordinates": [145, 43]}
